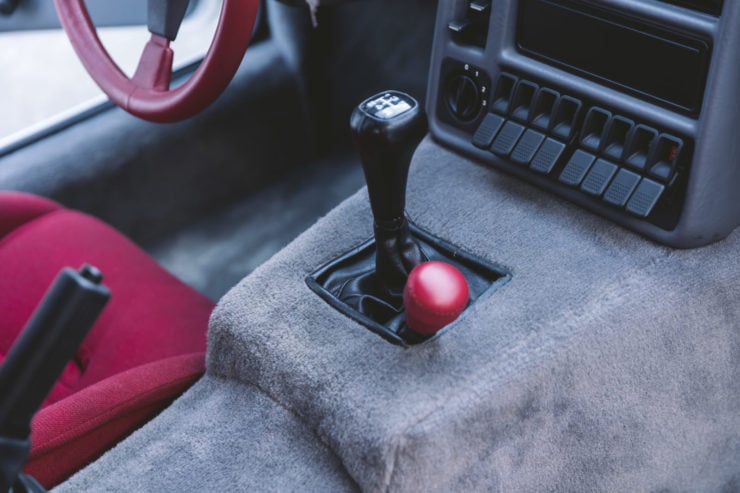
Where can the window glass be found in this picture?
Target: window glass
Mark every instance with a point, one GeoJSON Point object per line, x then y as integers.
{"type": "Point", "coordinates": [42, 80]}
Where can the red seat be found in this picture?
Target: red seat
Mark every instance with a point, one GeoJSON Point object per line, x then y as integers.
{"type": "Point", "coordinates": [146, 348]}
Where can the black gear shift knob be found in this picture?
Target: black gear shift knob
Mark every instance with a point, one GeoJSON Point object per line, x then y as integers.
{"type": "Point", "coordinates": [387, 128]}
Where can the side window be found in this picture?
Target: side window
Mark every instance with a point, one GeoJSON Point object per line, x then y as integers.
{"type": "Point", "coordinates": [41, 78]}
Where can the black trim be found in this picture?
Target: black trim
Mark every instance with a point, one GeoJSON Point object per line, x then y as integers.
{"type": "Point", "coordinates": [547, 30]}
{"type": "Point", "coordinates": [709, 6]}
{"type": "Point", "coordinates": [497, 272]}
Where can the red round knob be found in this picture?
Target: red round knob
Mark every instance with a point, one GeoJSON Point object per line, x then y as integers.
{"type": "Point", "coordinates": [436, 294]}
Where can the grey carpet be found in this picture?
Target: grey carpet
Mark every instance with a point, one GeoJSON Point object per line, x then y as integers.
{"type": "Point", "coordinates": [607, 363]}
{"type": "Point", "coordinates": [215, 253]}
{"type": "Point", "coordinates": [220, 436]}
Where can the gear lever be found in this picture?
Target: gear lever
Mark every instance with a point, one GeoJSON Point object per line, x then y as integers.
{"type": "Point", "coordinates": [407, 284]}
{"type": "Point", "coordinates": [386, 129]}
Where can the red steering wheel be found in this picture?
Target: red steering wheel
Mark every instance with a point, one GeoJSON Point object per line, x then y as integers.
{"type": "Point", "coordinates": [147, 94]}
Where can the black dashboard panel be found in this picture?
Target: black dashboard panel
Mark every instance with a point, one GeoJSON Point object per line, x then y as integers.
{"type": "Point", "coordinates": [708, 6]}
{"type": "Point", "coordinates": [625, 107]}
{"type": "Point", "coordinates": [660, 65]}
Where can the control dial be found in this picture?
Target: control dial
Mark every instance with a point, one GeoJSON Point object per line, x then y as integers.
{"type": "Point", "coordinates": [463, 97]}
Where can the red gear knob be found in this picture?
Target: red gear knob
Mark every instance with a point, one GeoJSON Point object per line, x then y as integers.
{"type": "Point", "coordinates": [436, 293]}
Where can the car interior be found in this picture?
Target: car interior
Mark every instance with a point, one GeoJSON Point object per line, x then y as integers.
{"type": "Point", "coordinates": [370, 245]}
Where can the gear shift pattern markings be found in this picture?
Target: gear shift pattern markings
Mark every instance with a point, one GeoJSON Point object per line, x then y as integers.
{"type": "Point", "coordinates": [367, 283]}
{"type": "Point", "coordinates": [387, 106]}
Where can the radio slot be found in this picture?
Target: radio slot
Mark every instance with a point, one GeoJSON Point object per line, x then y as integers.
{"type": "Point", "coordinates": [664, 66]}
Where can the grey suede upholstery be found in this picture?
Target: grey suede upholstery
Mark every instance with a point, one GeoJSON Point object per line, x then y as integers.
{"type": "Point", "coordinates": [607, 363]}
{"type": "Point", "coordinates": [219, 436]}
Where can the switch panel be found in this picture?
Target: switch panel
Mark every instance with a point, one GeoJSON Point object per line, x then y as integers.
{"type": "Point", "coordinates": [624, 108]}
{"type": "Point", "coordinates": [464, 100]}
{"type": "Point", "coordinates": [588, 149]}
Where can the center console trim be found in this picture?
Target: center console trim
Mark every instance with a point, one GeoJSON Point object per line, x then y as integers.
{"type": "Point", "coordinates": [711, 211]}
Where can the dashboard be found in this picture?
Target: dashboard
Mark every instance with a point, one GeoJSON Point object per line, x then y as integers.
{"type": "Point", "coordinates": [628, 108]}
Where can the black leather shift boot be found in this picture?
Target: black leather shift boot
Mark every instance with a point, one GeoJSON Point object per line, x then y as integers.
{"type": "Point", "coordinates": [397, 253]}
{"type": "Point", "coordinates": [351, 284]}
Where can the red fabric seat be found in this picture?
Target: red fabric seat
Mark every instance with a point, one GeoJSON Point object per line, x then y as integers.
{"type": "Point", "coordinates": [146, 348]}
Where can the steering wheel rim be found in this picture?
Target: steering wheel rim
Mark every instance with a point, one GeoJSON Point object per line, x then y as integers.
{"type": "Point", "coordinates": [147, 94]}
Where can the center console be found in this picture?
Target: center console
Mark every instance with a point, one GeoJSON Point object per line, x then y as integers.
{"type": "Point", "coordinates": [629, 108]}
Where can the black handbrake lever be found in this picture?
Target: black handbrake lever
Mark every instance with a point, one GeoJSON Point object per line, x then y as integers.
{"type": "Point", "coordinates": [37, 358]}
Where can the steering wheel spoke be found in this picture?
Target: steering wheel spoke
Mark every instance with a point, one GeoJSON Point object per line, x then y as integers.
{"type": "Point", "coordinates": [148, 94]}
{"type": "Point", "coordinates": [155, 66]}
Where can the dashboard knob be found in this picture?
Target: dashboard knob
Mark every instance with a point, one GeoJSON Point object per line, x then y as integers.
{"type": "Point", "coordinates": [463, 97]}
